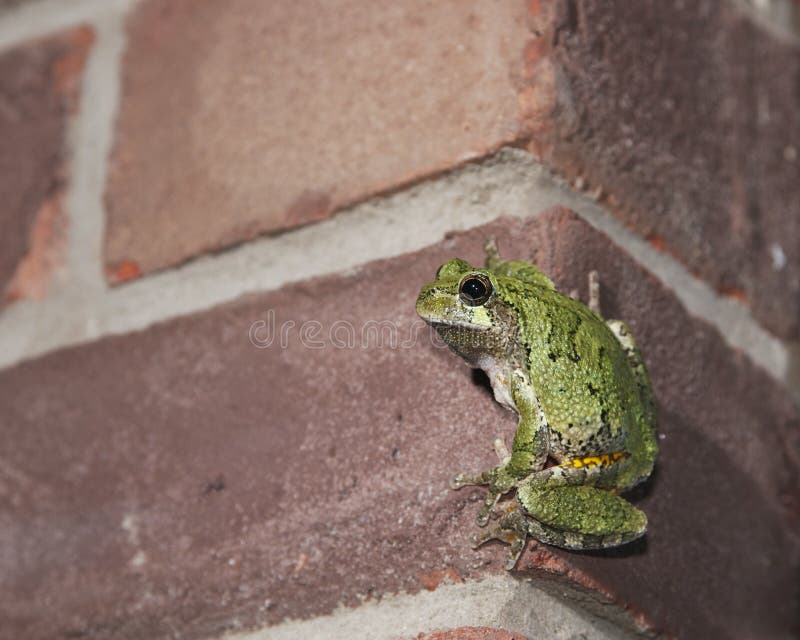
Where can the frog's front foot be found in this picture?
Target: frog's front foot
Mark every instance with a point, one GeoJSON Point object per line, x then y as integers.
{"type": "Point", "coordinates": [499, 481]}
{"type": "Point", "coordinates": [466, 479]}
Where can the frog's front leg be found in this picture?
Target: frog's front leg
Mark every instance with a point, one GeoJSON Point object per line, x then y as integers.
{"type": "Point", "coordinates": [528, 452]}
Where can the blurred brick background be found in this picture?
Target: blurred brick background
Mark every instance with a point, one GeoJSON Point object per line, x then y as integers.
{"type": "Point", "coordinates": [201, 200]}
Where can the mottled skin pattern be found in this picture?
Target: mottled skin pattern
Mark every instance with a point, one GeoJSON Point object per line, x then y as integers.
{"type": "Point", "coordinates": [587, 424]}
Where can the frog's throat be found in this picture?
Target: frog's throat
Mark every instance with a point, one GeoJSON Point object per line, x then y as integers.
{"type": "Point", "coordinates": [473, 343]}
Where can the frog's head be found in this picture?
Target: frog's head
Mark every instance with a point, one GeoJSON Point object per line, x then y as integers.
{"type": "Point", "coordinates": [467, 308]}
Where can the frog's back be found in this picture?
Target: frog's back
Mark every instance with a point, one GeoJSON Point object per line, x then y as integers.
{"type": "Point", "coordinates": [586, 384]}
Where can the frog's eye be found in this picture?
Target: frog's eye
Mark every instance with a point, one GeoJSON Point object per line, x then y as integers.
{"type": "Point", "coordinates": [475, 289]}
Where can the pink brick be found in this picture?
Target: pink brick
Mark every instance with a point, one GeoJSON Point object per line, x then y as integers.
{"type": "Point", "coordinates": [39, 89]}
{"type": "Point", "coordinates": [172, 480]}
{"type": "Point", "coordinates": [250, 117]}
{"type": "Point", "coordinates": [683, 118]}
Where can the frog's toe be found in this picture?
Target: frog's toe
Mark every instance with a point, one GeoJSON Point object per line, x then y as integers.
{"type": "Point", "coordinates": [467, 480]}
{"type": "Point", "coordinates": [478, 539]}
{"type": "Point", "coordinates": [483, 516]}
{"type": "Point", "coordinates": [497, 532]}
{"type": "Point", "coordinates": [515, 549]}
{"type": "Point", "coordinates": [510, 531]}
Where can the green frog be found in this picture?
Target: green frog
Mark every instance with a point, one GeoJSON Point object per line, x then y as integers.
{"type": "Point", "coordinates": [587, 419]}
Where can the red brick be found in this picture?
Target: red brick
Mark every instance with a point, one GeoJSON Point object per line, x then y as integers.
{"type": "Point", "coordinates": [177, 479]}
{"type": "Point", "coordinates": [685, 117]}
{"type": "Point", "coordinates": [438, 576]}
{"type": "Point", "coordinates": [254, 117]}
{"type": "Point", "coordinates": [39, 89]}
{"type": "Point", "coordinates": [7, 4]}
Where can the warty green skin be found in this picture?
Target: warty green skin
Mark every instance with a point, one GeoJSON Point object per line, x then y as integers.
{"type": "Point", "coordinates": [580, 388]}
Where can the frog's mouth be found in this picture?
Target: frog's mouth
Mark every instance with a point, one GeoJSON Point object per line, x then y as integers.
{"type": "Point", "coordinates": [473, 319]}
{"type": "Point", "coordinates": [450, 323]}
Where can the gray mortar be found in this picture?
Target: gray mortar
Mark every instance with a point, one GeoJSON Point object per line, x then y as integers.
{"type": "Point", "coordinates": [780, 17]}
{"type": "Point", "coordinates": [501, 602]}
{"type": "Point", "coordinates": [510, 182]}
{"type": "Point", "coordinates": [30, 19]}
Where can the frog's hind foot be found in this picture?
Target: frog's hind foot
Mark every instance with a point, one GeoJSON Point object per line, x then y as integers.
{"type": "Point", "coordinates": [510, 529]}
{"type": "Point", "coordinates": [594, 292]}
{"type": "Point", "coordinates": [468, 480]}
{"type": "Point", "coordinates": [492, 253]}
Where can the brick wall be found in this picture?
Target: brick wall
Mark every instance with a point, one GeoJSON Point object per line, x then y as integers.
{"type": "Point", "coordinates": [218, 413]}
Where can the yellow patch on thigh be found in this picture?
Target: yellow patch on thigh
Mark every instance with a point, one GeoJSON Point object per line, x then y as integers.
{"type": "Point", "coordinates": [602, 460]}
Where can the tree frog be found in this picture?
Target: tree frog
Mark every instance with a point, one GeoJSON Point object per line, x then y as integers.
{"type": "Point", "coordinates": [587, 420]}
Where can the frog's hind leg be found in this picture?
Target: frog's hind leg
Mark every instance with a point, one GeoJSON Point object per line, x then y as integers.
{"type": "Point", "coordinates": [577, 541]}
{"type": "Point", "coordinates": [636, 362]}
{"type": "Point", "coordinates": [519, 269]}
{"type": "Point", "coordinates": [602, 470]}
{"type": "Point", "coordinates": [580, 517]}
{"type": "Point", "coordinates": [493, 259]}
{"type": "Point", "coordinates": [594, 293]}
{"type": "Point", "coordinates": [577, 518]}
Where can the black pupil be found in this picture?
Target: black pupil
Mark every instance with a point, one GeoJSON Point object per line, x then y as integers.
{"type": "Point", "coordinates": [473, 288]}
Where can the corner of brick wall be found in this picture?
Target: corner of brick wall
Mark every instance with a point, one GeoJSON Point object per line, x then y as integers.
{"type": "Point", "coordinates": [247, 466]}
{"type": "Point", "coordinates": [683, 121]}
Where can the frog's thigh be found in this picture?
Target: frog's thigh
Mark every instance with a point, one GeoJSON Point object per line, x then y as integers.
{"type": "Point", "coordinates": [601, 470]}
{"type": "Point", "coordinates": [581, 517]}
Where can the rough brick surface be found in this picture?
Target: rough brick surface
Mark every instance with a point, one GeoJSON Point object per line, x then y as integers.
{"type": "Point", "coordinates": [8, 4]}
{"type": "Point", "coordinates": [182, 480]}
{"type": "Point", "coordinates": [251, 116]}
{"type": "Point", "coordinates": [256, 117]}
{"type": "Point", "coordinates": [685, 117]}
{"type": "Point", "coordinates": [39, 86]}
